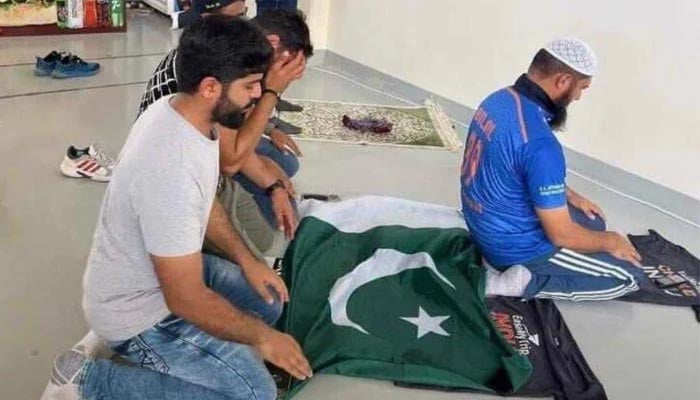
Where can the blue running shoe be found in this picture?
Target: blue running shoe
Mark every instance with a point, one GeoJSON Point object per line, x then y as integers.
{"type": "Point", "coordinates": [45, 66]}
{"type": "Point", "coordinates": [73, 66]}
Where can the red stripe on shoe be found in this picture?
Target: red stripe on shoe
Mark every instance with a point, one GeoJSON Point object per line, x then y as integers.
{"type": "Point", "coordinates": [92, 170]}
{"type": "Point", "coordinates": [87, 166]}
{"type": "Point", "coordinates": [82, 163]}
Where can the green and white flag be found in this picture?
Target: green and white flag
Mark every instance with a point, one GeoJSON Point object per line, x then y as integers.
{"type": "Point", "coordinates": [390, 289]}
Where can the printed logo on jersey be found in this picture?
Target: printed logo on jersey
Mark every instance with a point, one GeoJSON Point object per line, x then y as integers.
{"type": "Point", "coordinates": [516, 332]}
{"type": "Point", "coordinates": [673, 283]}
{"type": "Point", "coordinates": [552, 190]}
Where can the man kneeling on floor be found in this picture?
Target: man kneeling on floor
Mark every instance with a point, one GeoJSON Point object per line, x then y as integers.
{"type": "Point", "coordinates": [550, 241]}
{"type": "Point", "coordinates": [267, 172]}
{"type": "Point", "coordinates": [193, 325]}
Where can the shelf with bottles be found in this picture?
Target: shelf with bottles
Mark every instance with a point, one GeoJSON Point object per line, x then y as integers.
{"type": "Point", "coordinates": [61, 17]}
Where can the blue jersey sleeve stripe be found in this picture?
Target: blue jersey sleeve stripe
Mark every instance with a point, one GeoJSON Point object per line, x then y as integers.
{"type": "Point", "coordinates": [519, 106]}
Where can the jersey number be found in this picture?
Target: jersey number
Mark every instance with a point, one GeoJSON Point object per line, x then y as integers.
{"type": "Point", "coordinates": [472, 158]}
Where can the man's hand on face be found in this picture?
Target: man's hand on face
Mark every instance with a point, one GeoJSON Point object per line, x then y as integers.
{"type": "Point", "coordinates": [284, 71]}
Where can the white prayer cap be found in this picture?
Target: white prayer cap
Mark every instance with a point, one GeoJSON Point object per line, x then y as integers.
{"type": "Point", "coordinates": [575, 53]}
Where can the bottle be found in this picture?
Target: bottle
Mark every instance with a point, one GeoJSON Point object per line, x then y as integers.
{"type": "Point", "coordinates": [61, 14]}
{"type": "Point", "coordinates": [75, 14]}
{"type": "Point", "coordinates": [90, 20]}
{"type": "Point", "coordinates": [103, 13]}
{"type": "Point", "coordinates": [117, 8]}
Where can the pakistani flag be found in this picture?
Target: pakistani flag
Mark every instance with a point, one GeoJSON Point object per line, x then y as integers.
{"type": "Point", "coordinates": [389, 289]}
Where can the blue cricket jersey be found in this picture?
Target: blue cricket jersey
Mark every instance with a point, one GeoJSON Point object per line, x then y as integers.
{"type": "Point", "coordinates": [513, 164]}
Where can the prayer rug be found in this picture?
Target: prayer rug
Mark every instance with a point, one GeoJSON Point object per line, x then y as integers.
{"type": "Point", "coordinates": [424, 126]}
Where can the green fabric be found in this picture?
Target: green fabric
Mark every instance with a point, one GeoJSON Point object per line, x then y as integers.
{"type": "Point", "coordinates": [474, 355]}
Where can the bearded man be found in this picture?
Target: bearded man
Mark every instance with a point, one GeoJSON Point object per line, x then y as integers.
{"type": "Point", "coordinates": [544, 239]}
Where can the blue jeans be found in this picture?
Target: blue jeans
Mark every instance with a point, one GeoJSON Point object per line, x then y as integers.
{"type": "Point", "coordinates": [289, 164]}
{"type": "Point", "coordinates": [263, 5]}
{"type": "Point", "coordinates": [176, 360]}
{"type": "Point", "coordinates": [569, 275]}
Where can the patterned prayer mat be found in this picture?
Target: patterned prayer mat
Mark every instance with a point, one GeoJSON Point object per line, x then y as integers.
{"type": "Point", "coordinates": [426, 126]}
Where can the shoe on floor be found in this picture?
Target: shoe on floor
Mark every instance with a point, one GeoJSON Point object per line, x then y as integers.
{"type": "Point", "coordinates": [63, 384]}
{"type": "Point", "coordinates": [105, 159]}
{"type": "Point", "coordinates": [88, 163]}
{"type": "Point", "coordinates": [45, 66]}
{"type": "Point", "coordinates": [72, 66]}
{"type": "Point", "coordinates": [285, 106]}
{"type": "Point", "coordinates": [286, 127]}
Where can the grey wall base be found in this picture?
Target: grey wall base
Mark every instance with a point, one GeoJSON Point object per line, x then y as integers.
{"type": "Point", "coordinates": [677, 203]}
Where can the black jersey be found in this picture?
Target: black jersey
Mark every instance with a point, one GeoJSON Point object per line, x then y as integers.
{"type": "Point", "coordinates": [673, 273]}
{"type": "Point", "coordinates": [536, 329]}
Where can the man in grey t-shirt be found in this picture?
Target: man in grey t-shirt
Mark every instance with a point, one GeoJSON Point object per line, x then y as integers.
{"type": "Point", "coordinates": [197, 325]}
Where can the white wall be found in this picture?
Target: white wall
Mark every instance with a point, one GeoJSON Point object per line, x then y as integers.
{"type": "Point", "coordinates": [317, 14]}
{"type": "Point", "coordinates": [642, 113]}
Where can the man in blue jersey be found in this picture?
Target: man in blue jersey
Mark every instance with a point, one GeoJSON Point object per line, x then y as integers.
{"type": "Point", "coordinates": [547, 240]}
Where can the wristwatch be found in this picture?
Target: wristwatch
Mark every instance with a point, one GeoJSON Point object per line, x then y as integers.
{"type": "Point", "coordinates": [277, 185]}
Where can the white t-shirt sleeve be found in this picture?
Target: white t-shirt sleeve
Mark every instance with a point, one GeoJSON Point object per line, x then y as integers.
{"type": "Point", "coordinates": [169, 209]}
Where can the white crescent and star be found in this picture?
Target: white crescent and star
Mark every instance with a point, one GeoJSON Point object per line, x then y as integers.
{"type": "Point", "coordinates": [427, 324]}
{"type": "Point", "coordinates": [383, 263]}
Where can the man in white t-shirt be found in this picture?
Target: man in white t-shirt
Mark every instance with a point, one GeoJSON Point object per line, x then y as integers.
{"type": "Point", "coordinates": [196, 326]}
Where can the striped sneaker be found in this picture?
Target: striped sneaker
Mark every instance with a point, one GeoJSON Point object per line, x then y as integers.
{"type": "Point", "coordinates": [105, 159]}
{"type": "Point", "coordinates": [89, 163]}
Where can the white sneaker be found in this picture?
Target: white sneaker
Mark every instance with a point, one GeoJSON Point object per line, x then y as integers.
{"type": "Point", "coordinates": [67, 366]}
{"type": "Point", "coordinates": [105, 159]}
{"type": "Point", "coordinates": [89, 162]}
{"type": "Point", "coordinates": [63, 384]}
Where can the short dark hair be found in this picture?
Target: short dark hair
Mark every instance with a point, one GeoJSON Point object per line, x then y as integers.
{"type": "Point", "coordinates": [290, 26]}
{"type": "Point", "coordinates": [547, 65]}
{"type": "Point", "coordinates": [222, 47]}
